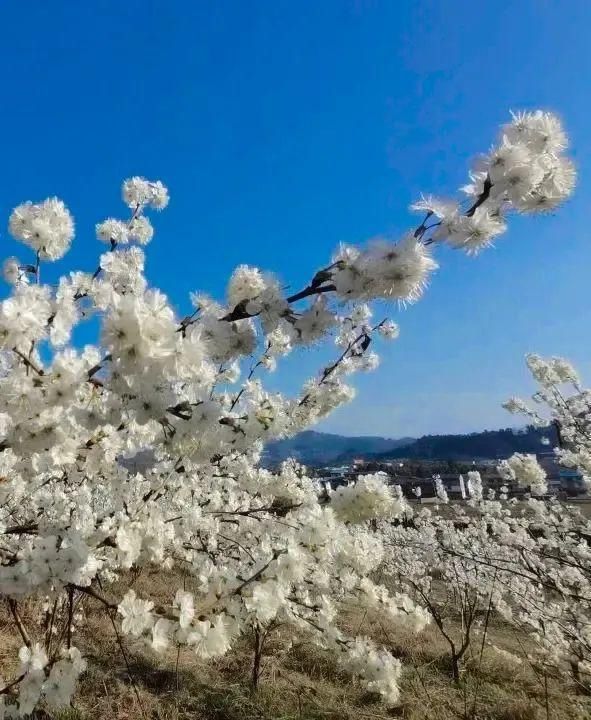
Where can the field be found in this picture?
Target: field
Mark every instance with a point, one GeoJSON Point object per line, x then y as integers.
{"type": "Point", "coordinates": [300, 683]}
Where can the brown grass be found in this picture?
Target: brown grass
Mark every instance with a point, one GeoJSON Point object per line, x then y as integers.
{"type": "Point", "coordinates": [302, 683]}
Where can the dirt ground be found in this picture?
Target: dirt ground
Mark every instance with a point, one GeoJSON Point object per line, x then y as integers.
{"type": "Point", "coordinates": [301, 682]}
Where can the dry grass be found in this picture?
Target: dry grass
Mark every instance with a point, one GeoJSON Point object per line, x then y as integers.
{"type": "Point", "coordinates": [302, 683]}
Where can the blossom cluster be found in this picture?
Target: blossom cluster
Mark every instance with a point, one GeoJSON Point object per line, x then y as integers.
{"type": "Point", "coordinates": [369, 497]}
{"type": "Point", "coordinates": [527, 171]}
{"type": "Point", "coordinates": [526, 471]}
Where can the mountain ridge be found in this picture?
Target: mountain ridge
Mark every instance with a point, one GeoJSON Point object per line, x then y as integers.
{"type": "Point", "coordinates": [317, 448]}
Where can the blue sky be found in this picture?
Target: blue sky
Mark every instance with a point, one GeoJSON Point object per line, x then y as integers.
{"type": "Point", "coordinates": [285, 128]}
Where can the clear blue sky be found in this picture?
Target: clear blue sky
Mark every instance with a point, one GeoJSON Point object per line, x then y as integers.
{"type": "Point", "coordinates": [284, 128]}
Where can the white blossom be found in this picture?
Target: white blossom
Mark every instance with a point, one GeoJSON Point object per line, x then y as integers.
{"type": "Point", "coordinates": [47, 227]}
{"type": "Point", "coordinates": [112, 231]}
{"type": "Point", "coordinates": [526, 471]}
{"type": "Point", "coordinates": [137, 615]}
{"type": "Point", "coordinates": [367, 498]}
{"type": "Point", "coordinates": [138, 192]}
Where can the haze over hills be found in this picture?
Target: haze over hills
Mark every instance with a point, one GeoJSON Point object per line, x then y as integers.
{"type": "Point", "coordinates": [317, 448]}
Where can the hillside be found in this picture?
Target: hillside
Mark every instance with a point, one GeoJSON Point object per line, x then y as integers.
{"type": "Point", "coordinates": [487, 444]}
{"type": "Point", "coordinates": [317, 448]}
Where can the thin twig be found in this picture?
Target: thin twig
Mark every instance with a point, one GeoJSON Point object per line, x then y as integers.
{"type": "Point", "coordinates": [12, 604]}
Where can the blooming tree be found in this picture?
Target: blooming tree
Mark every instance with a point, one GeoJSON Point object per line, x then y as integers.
{"type": "Point", "coordinates": [528, 562]}
{"type": "Point", "coordinates": [144, 448]}
{"type": "Point", "coordinates": [561, 401]}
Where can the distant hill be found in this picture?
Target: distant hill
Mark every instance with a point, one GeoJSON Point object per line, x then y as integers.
{"type": "Point", "coordinates": [317, 448]}
{"type": "Point", "coordinates": [491, 444]}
